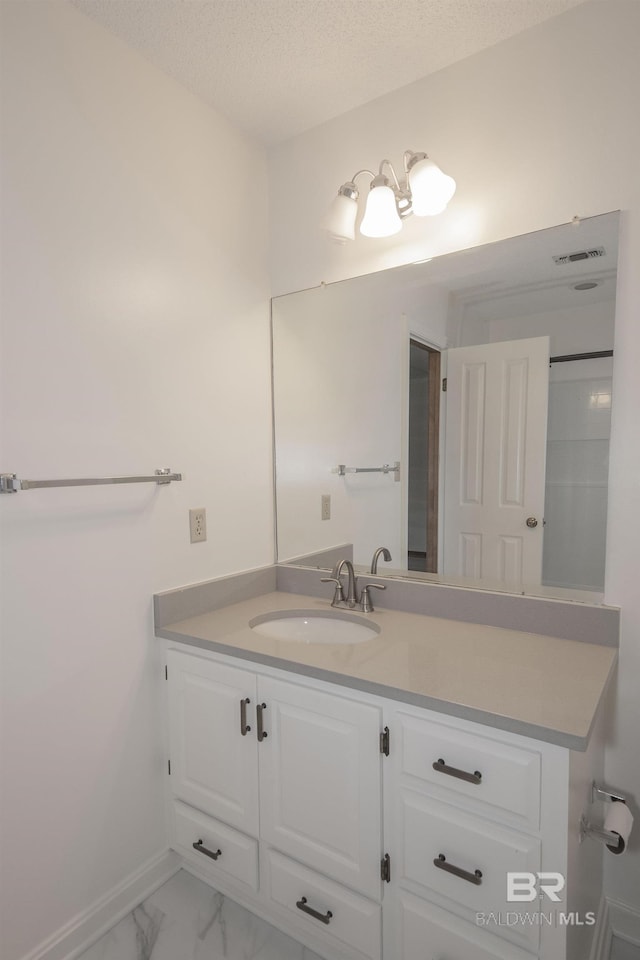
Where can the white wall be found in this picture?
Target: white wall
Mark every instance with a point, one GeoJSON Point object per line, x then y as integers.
{"type": "Point", "coordinates": [355, 337]}
{"type": "Point", "coordinates": [571, 329]}
{"type": "Point", "coordinates": [135, 336]}
{"type": "Point", "coordinates": [534, 130]}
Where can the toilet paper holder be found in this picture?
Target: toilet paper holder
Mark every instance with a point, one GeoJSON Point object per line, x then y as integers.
{"type": "Point", "coordinates": [613, 841]}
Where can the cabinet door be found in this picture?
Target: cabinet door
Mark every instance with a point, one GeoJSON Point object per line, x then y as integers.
{"type": "Point", "coordinates": [213, 766]}
{"type": "Point", "coordinates": [320, 782]}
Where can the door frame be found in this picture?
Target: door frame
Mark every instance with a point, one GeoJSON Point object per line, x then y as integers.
{"type": "Point", "coordinates": [432, 441]}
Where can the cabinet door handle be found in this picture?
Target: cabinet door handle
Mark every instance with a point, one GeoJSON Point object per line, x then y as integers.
{"type": "Point", "coordinates": [261, 731]}
{"type": "Point", "coordinates": [441, 863]}
{"type": "Point", "coordinates": [200, 847]}
{"type": "Point", "coordinates": [441, 767]}
{"type": "Point", "coordinates": [244, 726]}
{"type": "Point", "coordinates": [301, 904]}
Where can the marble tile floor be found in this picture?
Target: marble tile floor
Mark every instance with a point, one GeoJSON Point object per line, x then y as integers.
{"type": "Point", "coordinates": [187, 920]}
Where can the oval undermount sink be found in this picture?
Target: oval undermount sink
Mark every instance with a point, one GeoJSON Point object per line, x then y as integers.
{"type": "Point", "coordinates": [311, 626]}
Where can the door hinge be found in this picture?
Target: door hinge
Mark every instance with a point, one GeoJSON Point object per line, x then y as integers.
{"type": "Point", "coordinates": [169, 766]}
{"type": "Point", "coordinates": [384, 742]}
{"type": "Point", "coordinates": [385, 868]}
{"type": "Point", "coordinates": [166, 672]}
{"type": "Point", "coordinates": [444, 384]}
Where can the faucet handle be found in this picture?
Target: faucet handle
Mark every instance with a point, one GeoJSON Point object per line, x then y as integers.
{"type": "Point", "coordinates": [365, 600]}
{"type": "Point", "coordinates": [338, 596]}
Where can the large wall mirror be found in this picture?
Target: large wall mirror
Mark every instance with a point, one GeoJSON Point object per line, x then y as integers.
{"type": "Point", "coordinates": [456, 412]}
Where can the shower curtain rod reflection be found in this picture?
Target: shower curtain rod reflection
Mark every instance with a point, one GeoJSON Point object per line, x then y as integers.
{"type": "Point", "coordinates": [581, 356]}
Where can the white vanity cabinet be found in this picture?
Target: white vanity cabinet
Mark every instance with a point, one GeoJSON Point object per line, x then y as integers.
{"type": "Point", "coordinates": [296, 816]}
{"type": "Point", "coordinates": [288, 811]}
{"type": "Point", "coordinates": [463, 808]}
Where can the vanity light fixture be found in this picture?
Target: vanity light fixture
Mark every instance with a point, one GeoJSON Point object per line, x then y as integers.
{"type": "Point", "coordinates": [424, 190]}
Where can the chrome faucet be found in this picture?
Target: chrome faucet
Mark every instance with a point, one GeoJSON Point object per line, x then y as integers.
{"type": "Point", "coordinates": [386, 556]}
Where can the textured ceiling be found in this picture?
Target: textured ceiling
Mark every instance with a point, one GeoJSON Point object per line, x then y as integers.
{"type": "Point", "coordinates": [279, 67]}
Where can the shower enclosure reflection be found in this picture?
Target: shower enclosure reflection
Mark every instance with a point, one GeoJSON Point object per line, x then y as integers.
{"type": "Point", "coordinates": [503, 477]}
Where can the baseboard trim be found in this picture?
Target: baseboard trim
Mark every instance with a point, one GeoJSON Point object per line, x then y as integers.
{"type": "Point", "coordinates": [83, 930]}
{"type": "Point", "coordinates": [615, 919]}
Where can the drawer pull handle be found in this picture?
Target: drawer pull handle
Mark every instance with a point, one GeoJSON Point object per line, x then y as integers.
{"type": "Point", "coordinates": [200, 847]}
{"type": "Point", "coordinates": [441, 863]}
{"type": "Point", "coordinates": [440, 767]}
{"type": "Point", "coordinates": [301, 904]}
{"type": "Point", "coordinates": [244, 726]}
{"type": "Point", "coordinates": [261, 731]}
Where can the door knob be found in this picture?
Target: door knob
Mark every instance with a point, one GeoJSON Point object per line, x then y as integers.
{"type": "Point", "coordinates": [532, 522]}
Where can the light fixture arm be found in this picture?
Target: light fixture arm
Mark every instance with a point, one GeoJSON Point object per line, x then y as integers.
{"type": "Point", "coordinates": [388, 163]}
{"type": "Point", "coordinates": [410, 158]}
{"type": "Point", "coordinates": [349, 188]}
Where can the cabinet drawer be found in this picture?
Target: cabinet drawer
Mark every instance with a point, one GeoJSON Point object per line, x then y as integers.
{"type": "Point", "coordinates": [352, 920]}
{"type": "Point", "coordinates": [238, 857]}
{"type": "Point", "coordinates": [508, 785]}
{"type": "Point", "coordinates": [429, 933]}
{"type": "Point", "coordinates": [464, 860]}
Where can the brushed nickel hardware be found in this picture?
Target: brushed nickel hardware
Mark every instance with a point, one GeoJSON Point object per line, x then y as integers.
{"type": "Point", "coordinates": [386, 556]}
{"type": "Point", "coordinates": [384, 742]}
{"type": "Point", "coordinates": [441, 767]}
{"type": "Point", "coordinates": [244, 726]}
{"type": "Point", "coordinates": [262, 734]}
{"type": "Point", "coordinates": [338, 594]}
{"type": "Point", "coordinates": [597, 793]}
{"type": "Point", "coordinates": [386, 468]}
{"type": "Point", "coordinates": [351, 588]}
{"type": "Point", "coordinates": [200, 847]}
{"type": "Point", "coordinates": [301, 904]}
{"type": "Point", "coordinates": [9, 483]}
{"type": "Point", "coordinates": [385, 868]}
{"type": "Point", "coordinates": [365, 600]}
{"type": "Point", "coordinates": [531, 522]}
{"type": "Point", "coordinates": [441, 863]}
{"type": "Point", "coordinates": [612, 840]}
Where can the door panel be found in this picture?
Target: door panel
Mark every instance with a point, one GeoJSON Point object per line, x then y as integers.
{"type": "Point", "coordinates": [213, 766]}
{"type": "Point", "coordinates": [496, 419]}
{"type": "Point", "coordinates": [320, 782]}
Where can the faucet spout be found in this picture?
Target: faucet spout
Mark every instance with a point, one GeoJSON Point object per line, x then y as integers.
{"type": "Point", "coordinates": [386, 556]}
{"type": "Point", "coordinates": [351, 588]}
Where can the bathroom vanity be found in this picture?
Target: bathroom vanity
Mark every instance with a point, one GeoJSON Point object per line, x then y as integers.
{"type": "Point", "coordinates": [370, 798]}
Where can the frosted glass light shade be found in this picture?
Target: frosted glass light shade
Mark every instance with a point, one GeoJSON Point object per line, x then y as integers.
{"type": "Point", "coordinates": [381, 214]}
{"type": "Point", "coordinates": [431, 189]}
{"type": "Point", "coordinates": [340, 220]}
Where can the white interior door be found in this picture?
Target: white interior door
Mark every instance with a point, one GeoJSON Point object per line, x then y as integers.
{"type": "Point", "coordinates": [496, 424]}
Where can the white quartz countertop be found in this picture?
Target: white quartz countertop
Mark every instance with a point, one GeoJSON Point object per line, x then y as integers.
{"type": "Point", "coordinates": [532, 685]}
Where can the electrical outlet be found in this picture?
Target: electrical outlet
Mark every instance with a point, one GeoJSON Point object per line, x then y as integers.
{"type": "Point", "coordinates": [198, 524]}
{"type": "Point", "coordinates": [325, 507]}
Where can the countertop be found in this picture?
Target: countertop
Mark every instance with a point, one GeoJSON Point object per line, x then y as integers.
{"type": "Point", "coordinates": [533, 685]}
